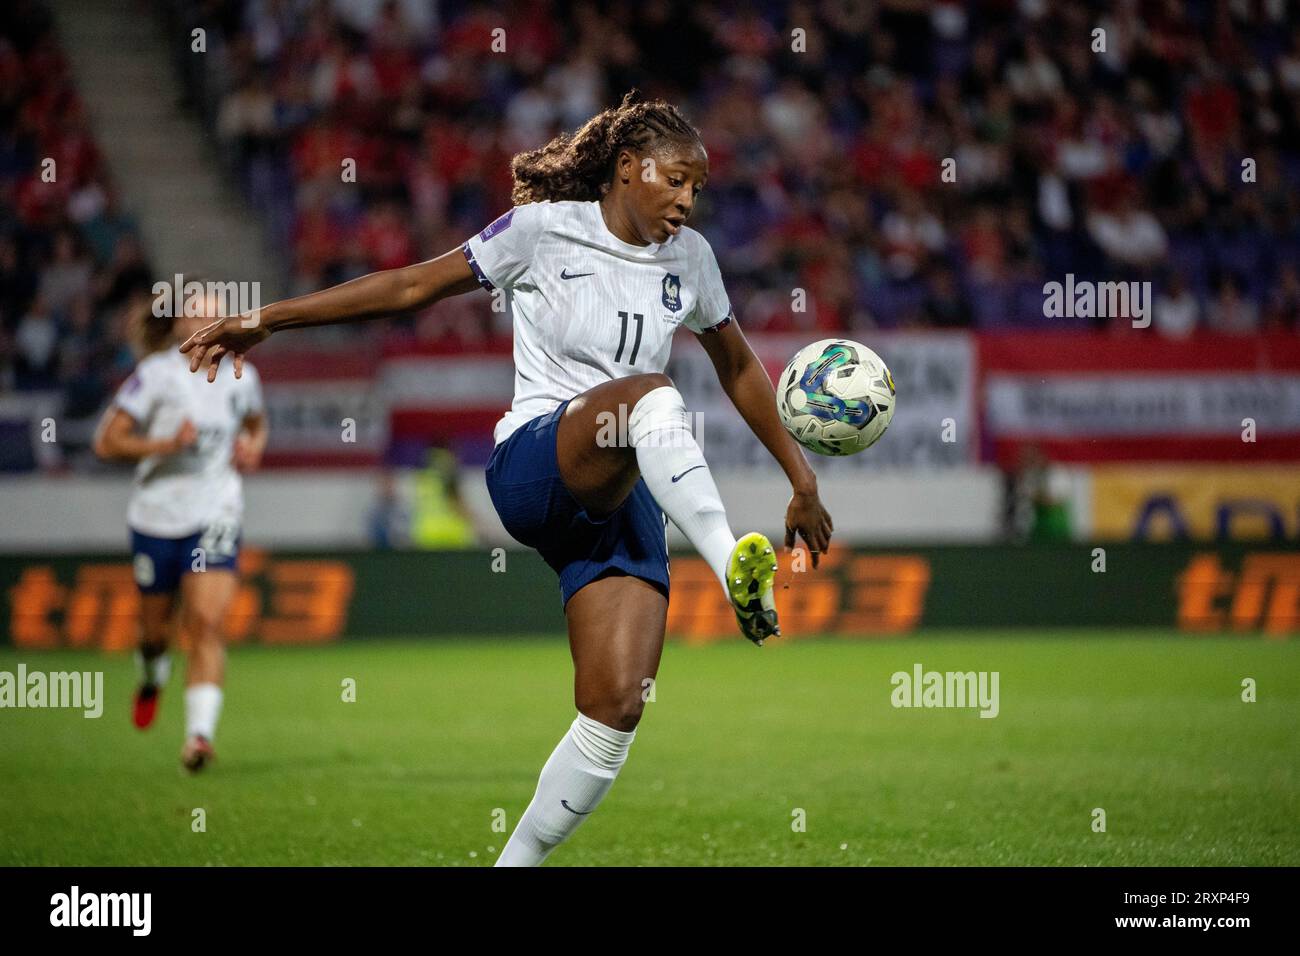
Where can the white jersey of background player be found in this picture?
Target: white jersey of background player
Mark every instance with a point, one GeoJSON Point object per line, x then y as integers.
{"type": "Point", "coordinates": [577, 290]}
{"type": "Point", "coordinates": [177, 495]}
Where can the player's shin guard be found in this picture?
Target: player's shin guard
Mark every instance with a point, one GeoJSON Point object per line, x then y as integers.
{"type": "Point", "coordinates": [679, 478]}
{"type": "Point", "coordinates": [574, 780]}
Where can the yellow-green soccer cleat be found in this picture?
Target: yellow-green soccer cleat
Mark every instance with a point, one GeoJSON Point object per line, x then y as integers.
{"type": "Point", "coordinates": [751, 570]}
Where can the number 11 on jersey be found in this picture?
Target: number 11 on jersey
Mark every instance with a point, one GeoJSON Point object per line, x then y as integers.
{"type": "Point", "coordinates": [622, 337]}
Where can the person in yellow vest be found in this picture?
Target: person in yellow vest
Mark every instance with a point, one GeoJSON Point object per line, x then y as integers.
{"type": "Point", "coordinates": [439, 519]}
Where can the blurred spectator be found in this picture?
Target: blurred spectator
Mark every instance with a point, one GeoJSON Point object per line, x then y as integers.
{"type": "Point", "coordinates": [104, 226]}
{"type": "Point", "coordinates": [389, 518]}
{"type": "Point", "coordinates": [1127, 235]}
{"type": "Point", "coordinates": [440, 520]}
{"type": "Point", "coordinates": [1284, 304]}
{"type": "Point", "coordinates": [1177, 311]}
{"type": "Point", "coordinates": [67, 275]}
{"type": "Point", "coordinates": [384, 237]}
{"type": "Point", "coordinates": [127, 273]}
{"type": "Point", "coordinates": [911, 234]}
{"type": "Point", "coordinates": [36, 342]}
{"type": "Point", "coordinates": [1033, 78]}
{"type": "Point", "coordinates": [17, 284]}
{"type": "Point", "coordinates": [1230, 311]}
{"type": "Point", "coordinates": [1037, 498]}
{"type": "Point", "coordinates": [945, 305]}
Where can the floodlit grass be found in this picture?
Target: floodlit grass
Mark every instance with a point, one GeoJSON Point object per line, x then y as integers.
{"type": "Point", "coordinates": [445, 734]}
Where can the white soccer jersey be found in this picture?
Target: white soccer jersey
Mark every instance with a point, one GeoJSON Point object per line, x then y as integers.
{"type": "Point", "coordinates": [588, 307]}
{"type": "Point", "coordinates": [177, 495]}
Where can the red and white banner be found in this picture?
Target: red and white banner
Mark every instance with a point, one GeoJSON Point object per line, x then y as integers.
{"type": "Point", "coordinates": [1079, 396]}
{"type": "Point", "coordinates": [450, 397]}
{"type": "Point", "coordinates": [1139, 397]}
{"type": "Point", "coordinates": [323, 408]}
{"type": "Point", "coordinates": [354, 407]}
{"type": "Point", "coordinates": [447, 398]}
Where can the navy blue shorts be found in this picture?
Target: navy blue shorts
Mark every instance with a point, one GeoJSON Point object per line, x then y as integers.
{"type": "Point", "coordinates": [158, 563]}
{"type": "Point", "coordinates": [523, 478]}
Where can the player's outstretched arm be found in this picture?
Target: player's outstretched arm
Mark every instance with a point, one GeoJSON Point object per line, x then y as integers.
{"type": "Point", "coordinates": [746, 383]}
{"type": "Point", "coordinates": [372, 296]}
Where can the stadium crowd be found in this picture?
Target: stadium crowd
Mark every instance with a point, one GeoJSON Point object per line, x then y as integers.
{"type": "Point", "coordinates": [70, 256]}
{"type": "Point", "coordinates": [1121, 159]}
{"type": "Point", "coordinates": [1165, 148]}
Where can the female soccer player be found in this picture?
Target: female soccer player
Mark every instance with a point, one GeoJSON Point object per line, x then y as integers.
{"type": "Point", "coordinates": [191, 440]}
{"type": "Point", "coordinates": [599, 270]}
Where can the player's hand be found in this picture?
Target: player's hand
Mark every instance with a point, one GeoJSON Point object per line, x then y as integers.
{"type": "Point", "coordinates": [806, 517]}
{"type": "Point", "coordinates": [247, 454]}
{"type": "Point", "coordinates": [185, 436]}
{"type": "Point", "coordinates": [231, 335]}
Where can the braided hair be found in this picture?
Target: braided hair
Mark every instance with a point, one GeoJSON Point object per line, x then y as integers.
{"type": "Point", "coordinates": [580, 166]}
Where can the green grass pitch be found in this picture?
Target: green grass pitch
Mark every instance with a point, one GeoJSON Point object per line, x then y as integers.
{"type": "Point", "coordinates": [1150, 728]}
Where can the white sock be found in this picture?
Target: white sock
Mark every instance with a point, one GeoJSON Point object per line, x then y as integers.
{"type": "Point", "coordinates": [578, 775]}
{"type": "Point", "coordinates": [154, 670]}
{"type": "Point", "coordinates": [202, 708]}
{"type": "Point", "coordinates": [659, 430]}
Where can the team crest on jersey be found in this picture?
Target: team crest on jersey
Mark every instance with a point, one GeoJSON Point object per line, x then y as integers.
{"type": "Point", "coordinates": [497, 226]}
{"type": "Point", "coordinates": [672, 295]}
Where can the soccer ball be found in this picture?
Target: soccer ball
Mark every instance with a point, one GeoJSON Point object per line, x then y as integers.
{"type": "Point", "coordinates": [836, 397]}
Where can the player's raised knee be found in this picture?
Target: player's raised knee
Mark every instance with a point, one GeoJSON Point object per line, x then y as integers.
{"type": "Point", "coordinates": [620, 709]}
{"type": "Point", "coordinates": [647, 382]}
{"type": "Point", "coordinates": [626, 718]}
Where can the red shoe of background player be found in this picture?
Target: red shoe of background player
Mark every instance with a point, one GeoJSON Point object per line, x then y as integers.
{"type": "Point", "coordinates": [196, 754]}
{"type": "Point", "coordinates": [146, 705]}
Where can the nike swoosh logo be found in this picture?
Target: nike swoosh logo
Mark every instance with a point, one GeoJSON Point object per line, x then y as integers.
{"type": "Point", "coordinates": [581, 813]}
{"type": "Point", "coordinates": [564, 274]}
{"type": "Point", "coordinates": [685, 473]}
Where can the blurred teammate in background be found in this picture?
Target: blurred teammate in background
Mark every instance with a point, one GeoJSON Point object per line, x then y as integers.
{"type": "Point", "coordinates": [599, 270]}
{"type": "Point", "coordinates": [190, 439]}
